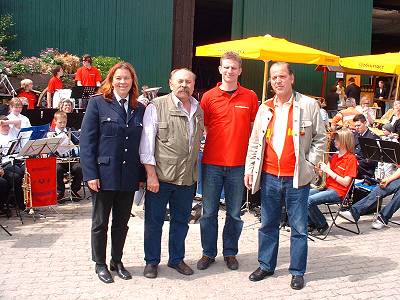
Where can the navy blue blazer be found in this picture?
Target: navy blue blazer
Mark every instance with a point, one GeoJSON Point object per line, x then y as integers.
{"type": "Point", "coordinates": [109, 145]}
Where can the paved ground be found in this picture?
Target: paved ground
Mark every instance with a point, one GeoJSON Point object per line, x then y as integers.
{"type": "Point", "coordinates": [50, 259]}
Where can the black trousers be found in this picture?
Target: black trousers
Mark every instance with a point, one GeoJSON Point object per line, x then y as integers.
{"type": "Point", "coordinates": [76, 172]}
{"type": "Point", "coordinates": [121, 204]}
{"type": "Point", "coordinates": [14, 175]}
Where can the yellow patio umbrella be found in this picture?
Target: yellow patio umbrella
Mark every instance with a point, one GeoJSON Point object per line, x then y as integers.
{"type": "Point", "coordinates": [267, 48]}
{"type": "Point", "coordinates": [384, 63]}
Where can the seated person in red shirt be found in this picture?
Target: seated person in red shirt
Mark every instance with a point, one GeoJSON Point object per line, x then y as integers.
{"type": "Point", "coordinates": [76, 171]}
{"type": "Point", "coordinates": [54, 84]}
{"type": "Point", "coordinates": [26, 91]}
{"type": "Point", "coordinates": [340, 172]}
{"type": "Point", "coordinates": [87, 75]}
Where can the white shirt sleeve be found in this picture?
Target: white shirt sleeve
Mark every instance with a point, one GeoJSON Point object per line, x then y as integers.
{"type": "Point", "coordinates": [147, 141]}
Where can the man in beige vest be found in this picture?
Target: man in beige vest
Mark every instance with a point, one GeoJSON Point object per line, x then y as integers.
{"type": "Point", "coordinates": [172, 130]}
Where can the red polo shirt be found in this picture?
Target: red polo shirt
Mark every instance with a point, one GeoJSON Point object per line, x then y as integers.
{"type": "Point", "coordinates": [88, 77]}
{"type": "Point", "coordinates": [228, 120]}
{"type": "Point", "coordinates": [342, 166]}
{"type": "Point", "coordinates": [31, 96]}
{"type": "Point", "coordinates": [54, 84]}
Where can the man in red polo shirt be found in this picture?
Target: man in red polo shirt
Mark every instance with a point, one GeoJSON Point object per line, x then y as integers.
{"type": "Point", "coordinates": [229, 110]}
{"type": "Point", "coordinates": [87, 75]}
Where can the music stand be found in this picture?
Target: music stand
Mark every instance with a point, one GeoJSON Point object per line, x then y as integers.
{"type": "Point", "coordinates": [383, 152]}
{"type": "Point", "coordinates": [83, 93]}
{"type": "Point", "coordinates": [1, 226]}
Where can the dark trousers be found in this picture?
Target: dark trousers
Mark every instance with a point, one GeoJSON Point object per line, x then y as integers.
{"type": "Point", "coordinates": [121, 204]}
{"type": "Point", "coordinates": [14, 175]}
{"type": "Point", "coordinates": [3, 193]}
{"type": "Point", "coordinates": [180, 198]}
{"type": "Point", "coordinates": [76, 173]}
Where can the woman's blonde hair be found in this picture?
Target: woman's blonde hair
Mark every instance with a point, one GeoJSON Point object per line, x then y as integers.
{"type": "Point", "coordinates": [345, 138]}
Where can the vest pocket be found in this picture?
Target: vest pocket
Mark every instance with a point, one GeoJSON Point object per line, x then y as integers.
{"type": "Point", "coordinates": [163, 131]}
{"type": "Point", "coordinates": [167, 168]}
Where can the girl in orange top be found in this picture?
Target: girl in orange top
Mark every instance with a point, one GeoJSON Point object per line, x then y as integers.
{"type": "Point", "coordinates": [340, 172]}
{"type": "Point", "coordinates": [54, 84]}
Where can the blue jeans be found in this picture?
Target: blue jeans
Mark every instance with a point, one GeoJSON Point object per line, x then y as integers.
{"type": "Point", "coordinates": [273, 190]}
{"type": "Point", "coordinates": [180, 198]}
{"type": "Point", "coordinates": [199, 190]}
{"type": "Point", "coordinates": [368, 202]}
{"type": "Point", "coordinates": [316, 197]}
{"type": "Point", "coordinates": [214, 179]}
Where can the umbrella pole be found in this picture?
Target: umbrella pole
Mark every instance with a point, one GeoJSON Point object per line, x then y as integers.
{"type": "Point", "coordinates": [324, 80]}
{"type": "Point", "coordinates": [397, 87]}
{"type": "Point", "coordinates": [265, 85]}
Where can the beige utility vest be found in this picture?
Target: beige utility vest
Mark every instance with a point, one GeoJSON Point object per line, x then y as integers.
{"type": "Point", "coordinates": [176, 162]}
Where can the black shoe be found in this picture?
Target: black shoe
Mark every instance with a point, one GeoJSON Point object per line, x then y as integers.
{"type": "Point", "coordinates": [310, 228]}
{"type": "Point", "coordinates": [204, 262]}
{"type": "Point", "coordinates": [323, 230]}
{"type": "Point", "coordinates": [76, 197]}
{"type": "Point", "coordinates": [297, 282]}
{"type": "Point", "coordinates": [120, 269]}
{"type": "Point", "coordinates": [103, 273]}
{"type": "Point", "coordinates": [182, 268]}
{"type": "Point", "coordinates": [231, 262]}
{"type": "Point", "coordinates": [260, 274]}
{"type": "Point", "coordinates": [150, 271]}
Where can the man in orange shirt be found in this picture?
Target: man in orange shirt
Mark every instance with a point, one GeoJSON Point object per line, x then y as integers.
{"type": "Point", "coordinates": [229, 110]}
{"type": "Point", "coordinates": [87, 75]}
{"type": "Point", "coordinates": [287, 141]}
{"type": "Point", "coordinates": [54, 84]}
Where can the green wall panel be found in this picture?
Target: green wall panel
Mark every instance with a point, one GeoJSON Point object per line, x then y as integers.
{"type": "Point", "coordinates": [138, 31]}
{"type": "Point", "coordinates": [337, 26]}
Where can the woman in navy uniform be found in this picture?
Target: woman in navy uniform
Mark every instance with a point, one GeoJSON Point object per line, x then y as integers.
{"type": "Point", "coordinates": [110, 138]}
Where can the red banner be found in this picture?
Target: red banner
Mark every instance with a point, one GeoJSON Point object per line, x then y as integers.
{"type": "Point", "coordinates": [42, 173]}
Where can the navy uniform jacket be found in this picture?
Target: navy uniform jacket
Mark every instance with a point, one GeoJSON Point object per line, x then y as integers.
{"type": "Point", "coordinates": [110, 145]}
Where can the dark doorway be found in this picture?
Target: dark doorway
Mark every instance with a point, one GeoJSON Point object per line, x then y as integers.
{"type": "Point", "coordinates": [212, 24]}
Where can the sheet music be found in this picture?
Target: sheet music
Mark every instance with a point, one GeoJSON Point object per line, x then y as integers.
{"type": "Point", "coordinates": [66, 144]}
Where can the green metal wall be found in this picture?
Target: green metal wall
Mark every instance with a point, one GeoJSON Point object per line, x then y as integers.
{"type": "Point", "coordinates": [138, 31]}
{"type": "Point", "coordinates": [341, 27]}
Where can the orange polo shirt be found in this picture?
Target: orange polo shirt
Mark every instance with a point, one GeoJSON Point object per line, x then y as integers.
{"type": "Point", "coordinates": [88, 77]}
{"type": "Point", "coordinates": [272, 164]}
{"type": "Point", "coordinates": [31, 96]}
{"type": "Point", "coordinates": [346, 165]}
{"type": "Point", "coordinates": [228, 120]}
{"type": "Point", "coordinates": [54, 84]}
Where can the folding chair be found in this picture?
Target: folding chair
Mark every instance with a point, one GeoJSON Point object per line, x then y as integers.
{"type": "Point", "coordinates": [345, 204]}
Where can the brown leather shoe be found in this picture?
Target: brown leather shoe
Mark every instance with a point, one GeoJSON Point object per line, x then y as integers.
{"type": "Point", "coordinates": [204, 262]}
{"type": "Point", "coordinates": [231, 262]}
{"type": "Point", "coordinates": [150, 271]}
{"type": "Point", "coordinates": [182, 268]}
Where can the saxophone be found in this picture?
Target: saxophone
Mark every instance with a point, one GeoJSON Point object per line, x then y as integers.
{"type": "Point", "coordinates": [27, 189]}
{"type": "Point", "coordinates": [319, 181]}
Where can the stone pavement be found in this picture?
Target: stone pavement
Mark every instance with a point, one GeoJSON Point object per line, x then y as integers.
{"type": "Point", "coordinates": [50, 259]}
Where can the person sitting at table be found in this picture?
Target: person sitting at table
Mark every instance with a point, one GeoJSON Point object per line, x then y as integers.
{"type": "Point", "coordinates": [340, 172]}
{"type": "Point", "coordinates": [54, 84]}
{"type": "Point", "coordinates": [391, 114]}
{"type": "Point", "coordinates": [61, 130]}
{"type": "Point", "coordinates": [365, 109]}
{"type": "Point", "coordinates": [26, 91]}
{"type": "Point", "coordinates": [390, 185]}
{"type": "Point", "coordinates": [345, 116]}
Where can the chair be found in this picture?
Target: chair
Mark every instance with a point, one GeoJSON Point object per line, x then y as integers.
{"type": "Point", "coordinates": [345, 204]}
